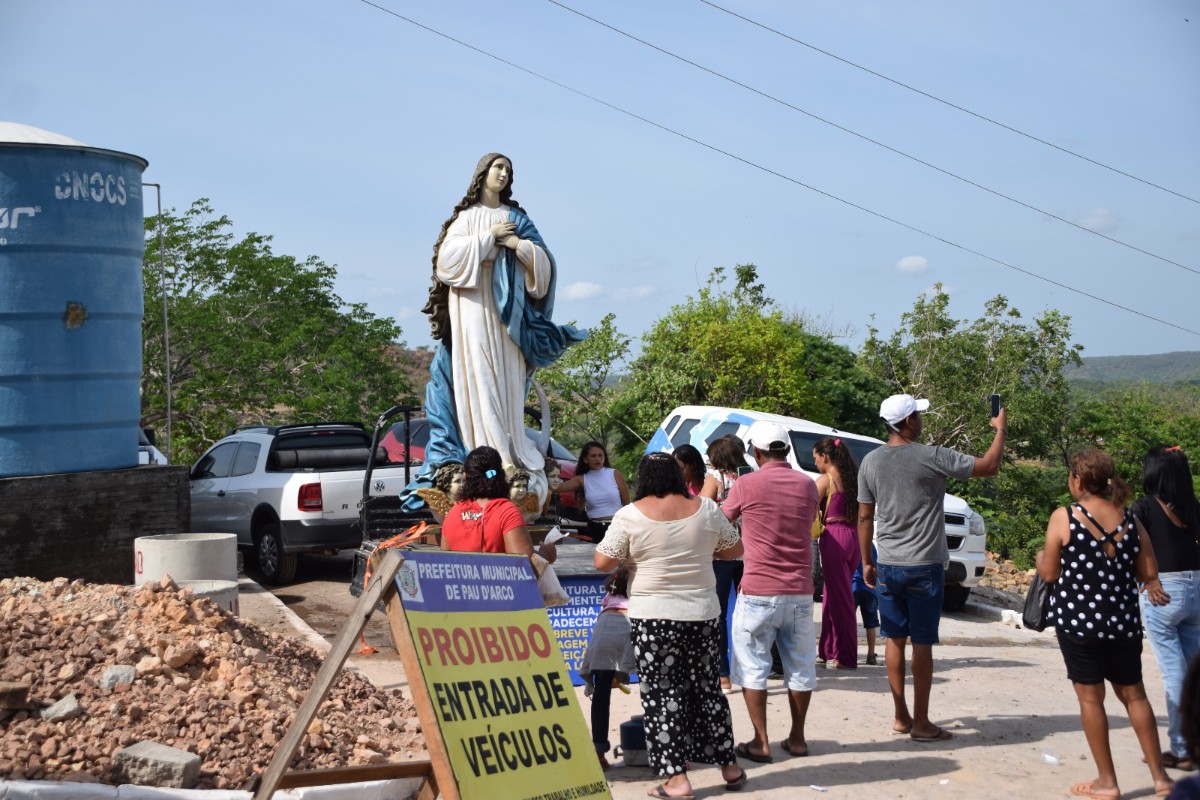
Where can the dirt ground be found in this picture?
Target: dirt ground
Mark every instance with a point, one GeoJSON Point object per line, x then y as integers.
{"type": "Point", "coordinates": [1000, 689]}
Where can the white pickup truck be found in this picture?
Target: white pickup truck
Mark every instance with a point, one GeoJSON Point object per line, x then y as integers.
{"type": "Point", "coordinates": [288, 490]}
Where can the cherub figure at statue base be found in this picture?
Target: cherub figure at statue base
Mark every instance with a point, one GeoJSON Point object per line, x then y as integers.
{"type": "Point", "coordinates": [524, 497]}
{"type": "Point", "coordinates": [447, 486]}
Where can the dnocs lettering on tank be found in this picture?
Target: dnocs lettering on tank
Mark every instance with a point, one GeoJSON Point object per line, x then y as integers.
{"type": "Point", "coordinates": [97, 187]}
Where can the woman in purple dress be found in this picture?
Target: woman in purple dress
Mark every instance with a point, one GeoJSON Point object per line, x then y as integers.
{"type": "Point", "coordinates": [837, 488]}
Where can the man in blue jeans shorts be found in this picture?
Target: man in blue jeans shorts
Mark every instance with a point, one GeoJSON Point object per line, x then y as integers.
{"type": "Point", "coordinates": [900, 491]}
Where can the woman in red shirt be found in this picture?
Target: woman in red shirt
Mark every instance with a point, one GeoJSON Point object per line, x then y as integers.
{"type": "Point", "coordinates": [484, 520]}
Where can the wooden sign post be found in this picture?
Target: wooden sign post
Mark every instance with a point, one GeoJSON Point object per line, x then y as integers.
{"type": "Point", "coordinates": [276, 776]}
{"type": "Point", "coordinates": [497, 709]}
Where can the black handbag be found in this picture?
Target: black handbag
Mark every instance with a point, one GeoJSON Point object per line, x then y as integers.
{"type": "Point", "coordinates": [1036, 615]}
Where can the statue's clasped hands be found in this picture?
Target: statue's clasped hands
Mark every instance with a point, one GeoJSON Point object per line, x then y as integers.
{"type": "Point", "coordinates": [505, 234]}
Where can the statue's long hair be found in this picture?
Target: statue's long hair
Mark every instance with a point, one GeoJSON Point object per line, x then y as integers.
{"type": "Point", "coordinates": [439, 293]}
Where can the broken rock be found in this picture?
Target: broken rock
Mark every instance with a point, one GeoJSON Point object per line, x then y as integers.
{"type": "Point", "coordinates": [154, 764]}
{"type": "Point", "coordinates": [67, 708]}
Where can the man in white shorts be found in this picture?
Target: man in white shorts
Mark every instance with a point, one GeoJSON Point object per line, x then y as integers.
{"type": "Point", "coordinates": [777, 506]}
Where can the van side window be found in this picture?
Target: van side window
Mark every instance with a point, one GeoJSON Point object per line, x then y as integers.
{"type": "Point", "coordinates": [670, 423]}
{"type": "Point", "coordinates": [802, 447]}
{"type": "Point", "coordinates": [724, 429]}
{"type": "Point", "coordinates": [684, 434]}
{"type": "Point", "coordinates": [859, 449]}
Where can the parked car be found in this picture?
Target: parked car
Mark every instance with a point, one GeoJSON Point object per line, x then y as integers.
{"type": "Point", "coordinates": [966, 534]}
{"type": "Point", "coordinates": [393, 442]}
{"type": "Point", "coordinates": [288, 490]}
{"type": "Point", "coordinates": [148, 454]}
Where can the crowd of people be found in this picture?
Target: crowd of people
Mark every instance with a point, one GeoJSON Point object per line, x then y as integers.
{"type": "Point", "coordinates": [695, 533]}
{"type": "Point", "coordinates": [694, 530]}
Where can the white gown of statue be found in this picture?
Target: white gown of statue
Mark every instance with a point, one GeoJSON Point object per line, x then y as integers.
{"type": "Point", "coordinates": [488, 367]}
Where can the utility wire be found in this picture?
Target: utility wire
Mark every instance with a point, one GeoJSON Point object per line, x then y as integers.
{"type": "Point", "coordinates": [937, 99]}
{"type": "Point", "coordinates": [770, 171]}
{"type": "Point", "coordinates": [875, 142]}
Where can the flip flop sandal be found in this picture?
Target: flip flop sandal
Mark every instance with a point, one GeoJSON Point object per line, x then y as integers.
{"type": "Point", "coordinates": [1085, 790]}
{"type": "Point", "coordinates": [661, 791]}
{"type": "Point", "coordinates": [737, 785]}
{"type": "Point", "coordinates": [1173, 761]}
{"type": "Point", "coordinates": [942, 735]}
{"type": "Point", "coordinates": [743, 751]}
{"type": "Point", "coordinates": [787, 748]}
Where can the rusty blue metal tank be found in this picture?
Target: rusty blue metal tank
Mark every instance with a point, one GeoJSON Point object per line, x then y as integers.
{"type": "Point", "coordinates": [71, 246]}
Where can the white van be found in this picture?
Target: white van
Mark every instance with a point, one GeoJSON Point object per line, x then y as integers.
{"type": "Point", "coordinates": [966, 535]}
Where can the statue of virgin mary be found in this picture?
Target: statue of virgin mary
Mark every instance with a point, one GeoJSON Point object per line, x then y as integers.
{"type": "Point", "coordinates": [489, 306]}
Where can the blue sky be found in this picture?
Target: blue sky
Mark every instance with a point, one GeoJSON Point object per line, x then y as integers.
{"type": "Point", "coordinates": [349, 134]}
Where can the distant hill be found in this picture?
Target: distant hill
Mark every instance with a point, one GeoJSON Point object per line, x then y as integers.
{"type": "Point", "coordinates": [1167, 368]}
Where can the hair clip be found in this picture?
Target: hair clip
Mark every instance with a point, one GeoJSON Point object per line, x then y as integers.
{"type": "Point", "coordinates": [659, 455]}
{"type": "Point", "coordinates": [491, 473]}
{"type": "Point", "coordinates": [837, 442]}
{"type": "Point", "coordinates": [1174, 449]}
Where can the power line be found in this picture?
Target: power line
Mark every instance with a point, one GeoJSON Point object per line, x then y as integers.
{"type": "Point", "coordinates": [770, 171]}
{"type": "Point", "coordinates": [875, 142]}
{"type": "Point", "coordinates": [956, 107]}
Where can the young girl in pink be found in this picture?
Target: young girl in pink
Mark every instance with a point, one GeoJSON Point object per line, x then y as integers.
{"type": "Point", "coordinates": [609, 658]}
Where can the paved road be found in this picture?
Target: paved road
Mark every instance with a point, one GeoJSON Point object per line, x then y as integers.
{"type": "Point", "coordinates": [1002, 690]}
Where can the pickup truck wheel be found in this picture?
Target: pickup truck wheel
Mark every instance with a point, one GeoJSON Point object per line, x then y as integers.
{"type": "Point", "coordinates": [276, 566]}
{"type": "Point", "coordinates": [955, 597]}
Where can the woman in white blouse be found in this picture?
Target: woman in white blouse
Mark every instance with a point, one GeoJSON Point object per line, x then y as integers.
{"type": "Point", "coordinates": [668, 540]}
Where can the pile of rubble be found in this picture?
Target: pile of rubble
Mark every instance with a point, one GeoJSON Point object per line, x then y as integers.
{"type": "Point", "coordinates": [1006, 576]}
{"type": "Point", "coordinates": [87, 670]}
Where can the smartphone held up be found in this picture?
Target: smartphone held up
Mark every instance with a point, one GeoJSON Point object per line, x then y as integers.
{"type": "Point", "coordinates": [995, 405]}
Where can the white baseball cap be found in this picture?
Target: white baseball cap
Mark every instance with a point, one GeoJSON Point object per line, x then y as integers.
{"type": "Point", "coordinates": [900, 407]}
{"type": "Point", "coordinates": [765, 436]}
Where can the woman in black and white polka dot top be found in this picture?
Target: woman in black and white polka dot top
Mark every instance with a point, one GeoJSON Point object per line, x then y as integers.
{"type": "Point", "coordinates": [1100, 555]}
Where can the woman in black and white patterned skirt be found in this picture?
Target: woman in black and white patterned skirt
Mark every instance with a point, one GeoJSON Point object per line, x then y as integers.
{"type": "Point", "coordinates": [1099, 555]}
{"type": "Point", "coordinates": [668, 540]}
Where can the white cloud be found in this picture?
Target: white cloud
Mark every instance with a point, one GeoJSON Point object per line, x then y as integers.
{"type": "Point", "coordinates": [1100, 220]}
{"type": "Point", "coordinates": [581, 291]}
{"type": "Point", "coordinates": [641, 265]}
{"type": "Point", "coordinates": [632, 293]}
{"type": "Point", "coordinates": [913, 265]}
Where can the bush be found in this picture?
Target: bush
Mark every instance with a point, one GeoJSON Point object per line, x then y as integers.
{"type": "Point", "coordinates": [1017, 504]}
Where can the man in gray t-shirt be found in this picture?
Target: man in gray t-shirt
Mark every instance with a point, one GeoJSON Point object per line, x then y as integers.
{"type": "Point", "coordinates": [900, 491]}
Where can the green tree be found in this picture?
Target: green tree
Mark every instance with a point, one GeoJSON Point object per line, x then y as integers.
{"type": "Point", "coordinates": [255, 337]}
{"type": "Point", "coordinates": [957, 365]}
{"type": "Point", "coordinates": [583, 386]}
{"type": "Point", "coordinates": [1126, 421]}
{"type": "Point", "coordinates": [734, 347]}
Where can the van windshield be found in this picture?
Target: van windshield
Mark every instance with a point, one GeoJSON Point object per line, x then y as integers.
{"type": "Point", "coordinates": [802, 446]}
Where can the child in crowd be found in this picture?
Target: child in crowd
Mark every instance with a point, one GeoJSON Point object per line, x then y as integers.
{"type": "Point", "coordinates": [867, 602]}
{"type": "Point", "coordinates": [609, 658]}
